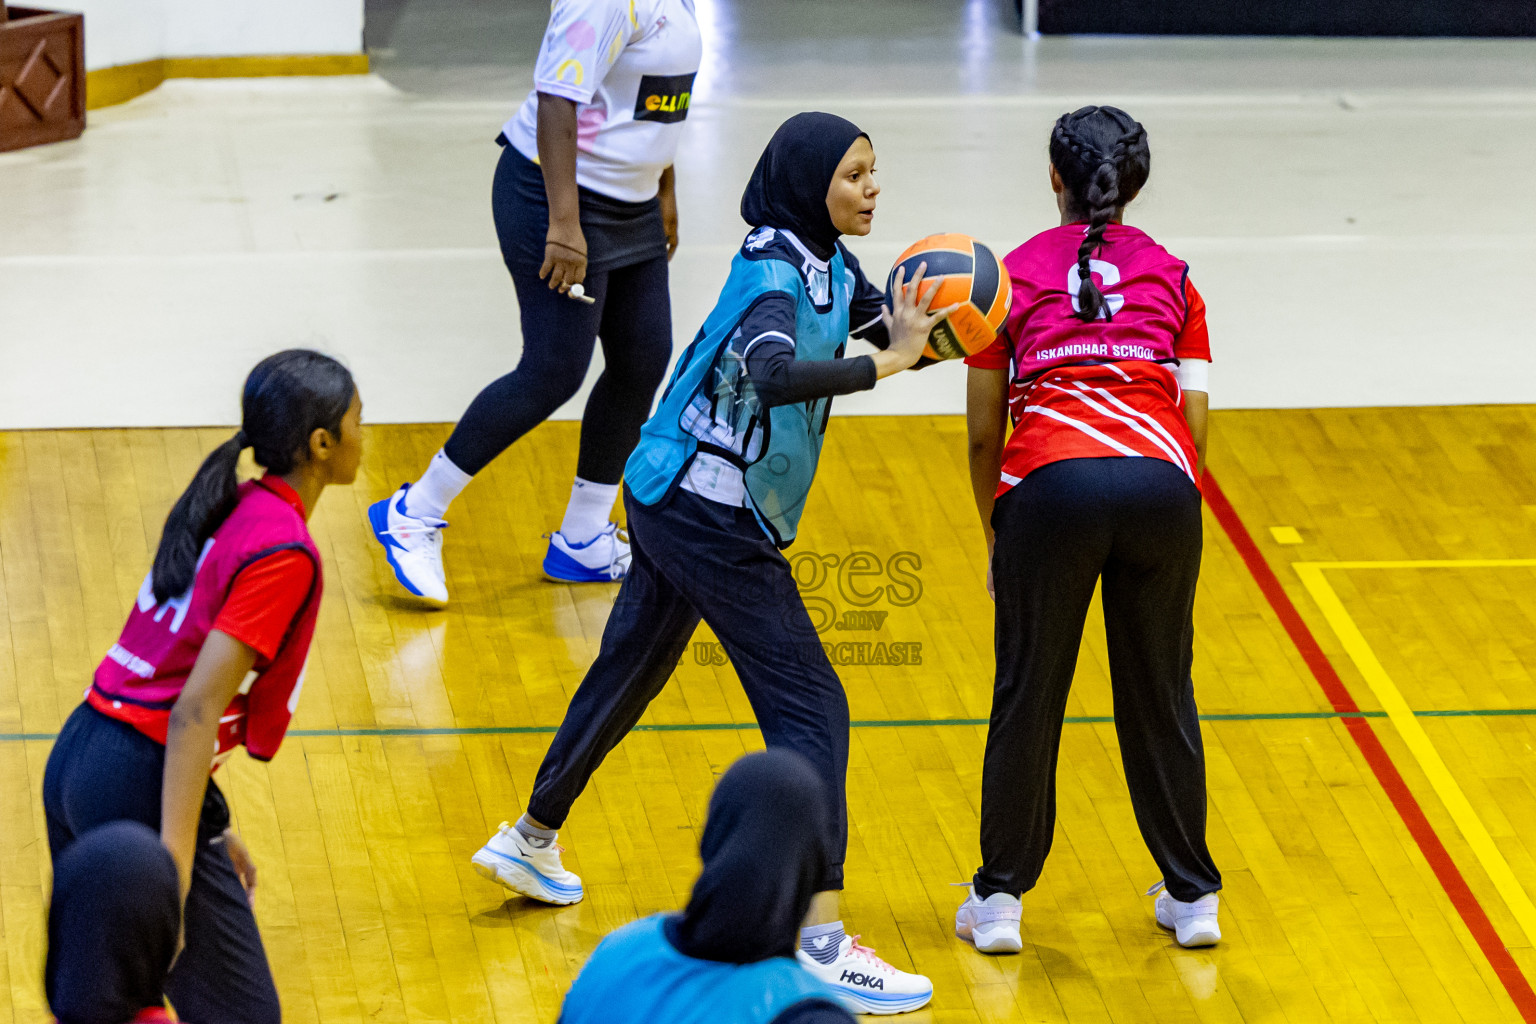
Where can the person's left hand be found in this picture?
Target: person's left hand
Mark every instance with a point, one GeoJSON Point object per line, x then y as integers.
{"type": "Point", "coordinates": [245, 867]}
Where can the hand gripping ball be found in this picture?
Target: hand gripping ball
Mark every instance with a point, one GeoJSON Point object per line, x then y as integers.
{"type": "Point", "coordinates": [968, 273]}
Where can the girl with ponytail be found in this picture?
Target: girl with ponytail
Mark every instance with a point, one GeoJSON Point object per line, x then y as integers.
{"type": "Point", "coordinates": [211, 658]}
{"type": "Point", "coordinates": [1102, 368]}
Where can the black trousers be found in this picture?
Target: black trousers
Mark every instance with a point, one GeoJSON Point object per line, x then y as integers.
{"type": "Point", "coordinates": [102, 770]}
{"type": "Point", "coordinates": [632, 315]}
{"type": "Point", "coordinates": [1135, 522]}
{"type": "Point", "coordinates": [693, 558]}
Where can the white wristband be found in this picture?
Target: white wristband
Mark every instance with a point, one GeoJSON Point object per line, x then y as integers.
{"type": "Point", "coordinates": [1193, 374]}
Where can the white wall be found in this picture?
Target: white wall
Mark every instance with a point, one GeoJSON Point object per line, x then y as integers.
{"type": "Point", "coordinates": [121, 31]}
{"type": "Point", "coordinates": [129, 31]}
{"type": "Point", "coordinates": [235, 27]}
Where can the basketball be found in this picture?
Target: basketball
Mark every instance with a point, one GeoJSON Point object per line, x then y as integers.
{"type": "Point", "coordinates": [968, 273]}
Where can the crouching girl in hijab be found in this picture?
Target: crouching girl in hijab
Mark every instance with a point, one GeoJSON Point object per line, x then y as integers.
{"type": "Point", "coordinates": [714, 491]}
{"type": "Point", "coordinates": [112, 927]}
{"type": "Point", "coordinates": [729, 958]}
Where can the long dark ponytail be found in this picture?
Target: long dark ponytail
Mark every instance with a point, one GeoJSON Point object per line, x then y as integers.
{"type": "Point", "coordinates": [287, 397]}
{"type": "Point", "coordinates": [1102, 156]}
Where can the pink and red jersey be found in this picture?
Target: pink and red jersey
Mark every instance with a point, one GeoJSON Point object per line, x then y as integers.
{"type": "Point", "coordinates": [258, 579]}
{"type": "Point", "coordinates": [1102, 388]}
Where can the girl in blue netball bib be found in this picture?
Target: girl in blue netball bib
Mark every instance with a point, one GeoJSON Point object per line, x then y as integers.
{"type": "Point", "coordinates": [715, 489]}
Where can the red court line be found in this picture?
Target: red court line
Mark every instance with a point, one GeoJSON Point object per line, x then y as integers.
{"type": "Point", "coordinates": [1466, 904]}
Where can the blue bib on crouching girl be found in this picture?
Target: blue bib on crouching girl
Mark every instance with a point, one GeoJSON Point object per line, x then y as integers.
{"type": "Point", "coordinates": [710, 405]}
{"type": "Point", "coordinates": [635, 974]}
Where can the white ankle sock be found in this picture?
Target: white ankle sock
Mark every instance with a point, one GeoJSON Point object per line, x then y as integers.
{"type": "Point", "coordinates": [587, 514]}
{"type": "Point", "coordinates": [430, 496]}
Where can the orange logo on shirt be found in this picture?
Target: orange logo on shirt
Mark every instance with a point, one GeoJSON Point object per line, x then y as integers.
{"type": "Point", "coordinates": [669, 104]}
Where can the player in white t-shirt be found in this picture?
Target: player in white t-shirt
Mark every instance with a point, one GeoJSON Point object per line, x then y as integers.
{"type": "Point", "coordinates": [629, 68]}
{"type": "Point", "coordinates": [587, 218]}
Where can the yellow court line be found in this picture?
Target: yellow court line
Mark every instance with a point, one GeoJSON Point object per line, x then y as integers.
{"type": "Point", "coordinates": [1408, 725]}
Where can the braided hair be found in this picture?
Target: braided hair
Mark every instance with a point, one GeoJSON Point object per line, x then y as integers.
{"type": "Point", "coordinates": [1102, 157]}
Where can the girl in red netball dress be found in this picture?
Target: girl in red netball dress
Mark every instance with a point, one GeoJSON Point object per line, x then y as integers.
{"type": "Point", "coordinates": [1102, 368]}
{"type": "Point", "coordinates": [212, 657]}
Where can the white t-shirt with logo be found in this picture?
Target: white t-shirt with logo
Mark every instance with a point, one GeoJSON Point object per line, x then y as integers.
{"type": "Point", "coordinates": [629, 66]}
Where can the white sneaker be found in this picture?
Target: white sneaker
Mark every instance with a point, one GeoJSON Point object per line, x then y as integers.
{"type": "Point", "coordinates": [603, 559]}
{"type": "Point", "coordinates": [1193, 924]}
{"type": "Point", "coordinates": [992, 924]}
{"type": "Point", "coordinates": [864, 983]}
{"type": "Point", "coordinates": [533, 871]}
{"type": "Point", "coordinates": [413, 546]}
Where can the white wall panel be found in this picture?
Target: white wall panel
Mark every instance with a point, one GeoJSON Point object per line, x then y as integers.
{"type": "Point", "coordinates": [130, 31]}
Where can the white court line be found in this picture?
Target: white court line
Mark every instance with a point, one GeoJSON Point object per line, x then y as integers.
{"type": "Point", "coordinates": [1193, 243]}
{"type": "Point", "coordinates": [1473, 102]}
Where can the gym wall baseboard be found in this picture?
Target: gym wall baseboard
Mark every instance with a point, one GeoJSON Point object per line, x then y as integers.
{"type": "Point", "coordinates": [106, 87]}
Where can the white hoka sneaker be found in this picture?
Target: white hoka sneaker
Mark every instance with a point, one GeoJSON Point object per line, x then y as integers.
{"type": "Point", "coordinates": [992, 924]}
{"type": "Point", "coordinates": [413, 546]}
{"type": "Point", "coordinates": [1193, 924]}
{"type": "Point", "coordinates": [536, 873]}
{"type": "Point", "coordinates": [864, 983]}
{"type": "Point", "coordinates": [603, 559]}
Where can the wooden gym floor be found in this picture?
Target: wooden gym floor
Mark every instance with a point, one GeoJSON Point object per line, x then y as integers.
{"type": "Point", "coordinates": [1366, 634]}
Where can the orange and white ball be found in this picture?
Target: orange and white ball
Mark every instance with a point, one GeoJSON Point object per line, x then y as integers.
{"type": "Point", "coordinates": [968, 273]}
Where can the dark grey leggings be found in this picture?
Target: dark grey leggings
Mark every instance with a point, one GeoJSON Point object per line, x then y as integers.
{"type": "Point", "coordinates": [632, 316]}
{"type": "Point", "coordinates": [1135, 522]}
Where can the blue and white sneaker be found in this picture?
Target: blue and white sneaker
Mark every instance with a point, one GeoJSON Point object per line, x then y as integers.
{"type": "Point", "coordinates": [413, 546]}
{"type": "Point", "coordinates": [509, 859]}
{"type": "Point", "coordinates": [864, 983]}
{"type": "Point", "coordinates": [603, 559]}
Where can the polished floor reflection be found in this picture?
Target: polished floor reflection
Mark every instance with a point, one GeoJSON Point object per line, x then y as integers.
{"type": "Point", "coordinates": [419, 731]}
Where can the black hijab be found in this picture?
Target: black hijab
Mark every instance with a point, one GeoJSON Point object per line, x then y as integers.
{"type": "Point", "coordinates": [788, 188]}
{"type": "Point", "coordinates": [112, 925]}
{"type": "Point", "coordinates": [764, 849]}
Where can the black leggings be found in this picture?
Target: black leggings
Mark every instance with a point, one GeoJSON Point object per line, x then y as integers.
{"type": "Point", "coordinates": [102, 770]}
{"type": "Point", "coordinates": [1136, 523]}
{"type": "Point", "coordinates": [632, 316]}
{"type": "Point", "coordinates": [692, 559]}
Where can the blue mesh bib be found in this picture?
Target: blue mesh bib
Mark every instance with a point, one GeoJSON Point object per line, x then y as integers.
{"type": "Point", "coordinates": [636, 975]}
{"type": "Point", "coordinates": [710, 406]}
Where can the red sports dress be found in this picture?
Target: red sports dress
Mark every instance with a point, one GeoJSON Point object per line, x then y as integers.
{"type": "Point", "coordinates": [1090, 390]}
{"type": "Point", "coordinates": [258, 580]}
